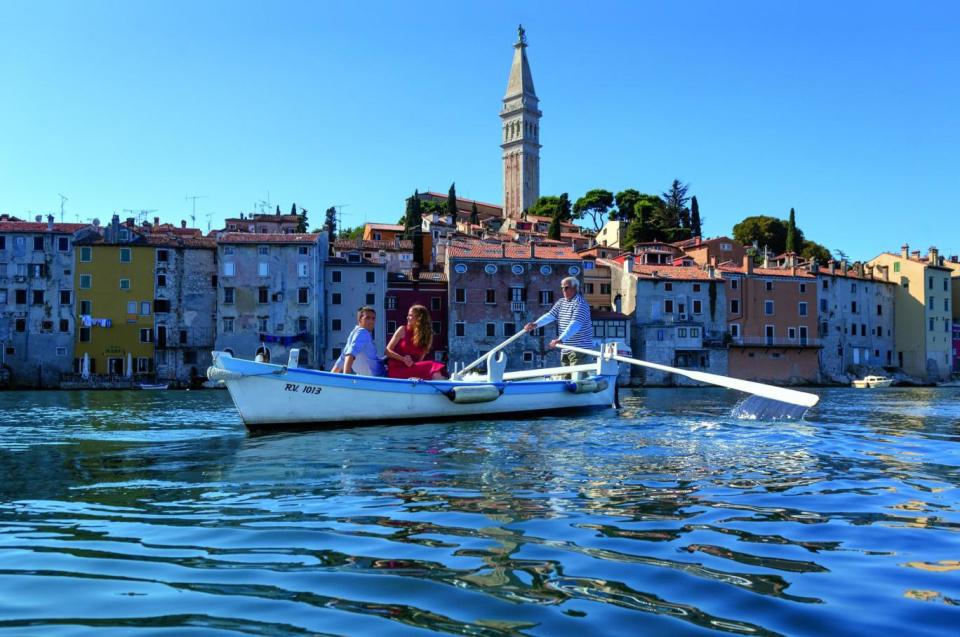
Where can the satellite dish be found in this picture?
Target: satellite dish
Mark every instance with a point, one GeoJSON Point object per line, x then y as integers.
{"type": "Point", "coordinates": [39, 218]}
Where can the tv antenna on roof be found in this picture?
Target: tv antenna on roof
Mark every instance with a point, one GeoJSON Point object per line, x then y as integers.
{"type": "Point", "coordinates": [338, 206]}
{"type": "Point", "coordinates": [193, 214]}
{"type": "Point", "coordinates": [63, 200]}
{"type": "Point", "coordinates": [209, 217]}
{"type": "Point", "coordinates": [141, 214]}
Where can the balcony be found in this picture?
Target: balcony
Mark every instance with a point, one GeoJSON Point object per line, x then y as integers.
{"type": "Point", "coordinates": [770, 341]}
{"type": "Point", "coordinates": [518, 306]}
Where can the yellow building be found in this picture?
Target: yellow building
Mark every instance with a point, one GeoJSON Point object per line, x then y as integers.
{"type": "Point", "coordinates": [114, 283]}
{"type": "Point", "coordinates": [922, 312]}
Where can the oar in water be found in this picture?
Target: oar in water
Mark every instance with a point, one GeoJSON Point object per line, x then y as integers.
{"type": "Point", "coordinates": [766, 401]}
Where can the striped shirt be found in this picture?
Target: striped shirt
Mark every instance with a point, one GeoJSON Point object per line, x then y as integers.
{"type": "Point", "coordinates": [573, 322]}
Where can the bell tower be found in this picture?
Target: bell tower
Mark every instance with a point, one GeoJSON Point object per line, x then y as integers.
{"type": "Point", "coordinates": [521, 135]}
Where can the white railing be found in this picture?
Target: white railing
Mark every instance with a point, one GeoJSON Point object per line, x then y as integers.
{"type": "Point", "coordinates": [518, 306]}
{"type": "Point", "coordinates": [775, 341]}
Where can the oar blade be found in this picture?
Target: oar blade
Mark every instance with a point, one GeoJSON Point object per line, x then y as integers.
{"type": "Point", "coordinates": [762, 408]}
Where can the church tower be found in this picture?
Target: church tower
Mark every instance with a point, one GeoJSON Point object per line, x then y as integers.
{"type": "Point", "coordinates": [521, 136]}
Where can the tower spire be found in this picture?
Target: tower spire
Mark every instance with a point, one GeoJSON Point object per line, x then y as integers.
{"type": "Point", "coordinates": [521, 135]}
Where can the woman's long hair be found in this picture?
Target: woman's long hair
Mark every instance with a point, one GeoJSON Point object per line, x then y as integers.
{"type": "Point", "coordinates": [422, 335]}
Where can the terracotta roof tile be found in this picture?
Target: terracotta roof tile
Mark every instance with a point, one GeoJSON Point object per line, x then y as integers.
{"type": "Point", "coordinates": [514, 251]}
{"type": "Point", "coordinates": [254, 237]}
{"type": "Point", "coordinates": [372, 244]}
{"type": "Point", "coordinates": [34, 227]}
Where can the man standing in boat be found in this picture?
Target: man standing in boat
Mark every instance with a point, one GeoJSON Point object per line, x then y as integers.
{"type": "Point", "coordinates": [359, 356]}
{"type": "Point", "coordinates": [572, 314]}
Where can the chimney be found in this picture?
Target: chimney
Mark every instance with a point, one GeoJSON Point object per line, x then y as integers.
{"type": "Point", "coordinates": [503, 250]}
{"type": "Point", "coordinates": [915, 254]}
{"type": "Point", "coordinates": [183, 223]}
{"type": "Point", "coordinates": [747, 264]}
{"type": "Point", "coordinates": [130, 221]}
{"type": "Point", "coordinates": [832, 265]}
{"type": "Point", "coordinates": [814, 265]}
{"type": "Point", "coordinates": [713, 261]}
{"type": "Point", "coordinates": [49, 223]}
{"type": "Point", "coordinates": [766, 259]}
{"type": "Point", "coordinates": [843, 267]}
{"type": "Point", "coordinates": [905, 251]}
{"type": "Point", "coordinates": [628, 263]}
{"type": "Point", "coordinates": [933, 256]}
{"type": "Point", "coordinates": [953, 258]}
{"type": "Point", "coordinates": [712, 271]}
{"type": "Point", "coordinates": [533, 250]}
{"type": "Point", "coordinates": [859, 269]}
{"type": "Point", "coordinates": [156, 221]}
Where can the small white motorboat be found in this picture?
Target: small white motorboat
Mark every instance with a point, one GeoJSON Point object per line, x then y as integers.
{"type": "Point", "coordinates": [154, 386]}
{"type": "Point", "coordinates": [872, 382]}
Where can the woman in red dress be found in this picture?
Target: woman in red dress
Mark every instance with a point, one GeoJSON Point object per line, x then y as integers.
{"type": "Point", "coordinates": [410, 345]}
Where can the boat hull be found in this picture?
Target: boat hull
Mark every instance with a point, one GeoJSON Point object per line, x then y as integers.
{"type": "Point", "coordinates": [273, 396]}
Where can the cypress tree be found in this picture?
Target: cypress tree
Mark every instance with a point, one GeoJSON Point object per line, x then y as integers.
{"type": "Point", "coordinates": [331, 223]}
{"type": "Point", "coordinates": [792, 233]}
{"type": "Point", "coordinates": [452, 200]}
{"type": "Point", "coordinates": [695, 217]}
{"type": "Point", "coordinates": [474, 215]}
{"type": "Point", "coordinates": [553, 231]}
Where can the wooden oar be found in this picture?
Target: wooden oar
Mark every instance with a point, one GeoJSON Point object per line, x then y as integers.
{"type": "Point", "coordinates": [499, 347]}
{"type": "Point", "coordinates": [781, 394]}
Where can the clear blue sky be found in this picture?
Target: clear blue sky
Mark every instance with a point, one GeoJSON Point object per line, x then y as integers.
{"type": "Point", "coordinates": [845, 111]}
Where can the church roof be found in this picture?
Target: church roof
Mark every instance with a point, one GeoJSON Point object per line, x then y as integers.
{"type": "Point", "coordinates": [521, 80]}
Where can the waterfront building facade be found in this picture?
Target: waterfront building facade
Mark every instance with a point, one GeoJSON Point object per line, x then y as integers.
{"type": "Point", "coordinates": [772, 321]}
{"type": "Point", "coordinates": [351, 282]}
{"type": "Point", "coordinates": [114, 283]}
{"type": "Point", "coordinates": [496, 289]}
{"type": "Point", "coordinates": [396, 255]}
{"type": "Point", "coordinates": [679, 316]}
{"type": "Point", "coordinates": [923, 318]}
{"type": "Point", "coordinates": [270, 292]}
{"type": "Point", "coordinates": [37, 301]}
{"type": "Point", "coordinates": [856, 314]}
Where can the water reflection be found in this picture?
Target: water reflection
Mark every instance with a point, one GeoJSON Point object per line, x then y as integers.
{"type": "Point", "coordinates": [668, 516]}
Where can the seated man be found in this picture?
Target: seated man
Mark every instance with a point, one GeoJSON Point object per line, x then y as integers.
{"type": "Point", "coordinates": [359, 356]}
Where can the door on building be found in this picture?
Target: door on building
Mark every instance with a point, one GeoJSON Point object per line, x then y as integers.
{"type": "Point", "coordinates": [115, 366]}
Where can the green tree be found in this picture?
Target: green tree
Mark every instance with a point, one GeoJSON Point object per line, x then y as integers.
{"type": "Point", "coordinates": [791, 243]}
{"type": "Point", "coordinates": [351, 233]}
{"type": "Point", "coordinates": [330, 221]}
{"type": "Point", "coordinates": [596, 204]}
{"type": "Point", "coordinates": [413, 216]}
{"type": "Point", "coordinates": [675, 211]}
{"type": "Point", "coordinates": [765, 231]}
{"type": "Point", "coordinates": [813, 250]}
{"type": "Point", "coordinates": [301, 218]}
{"type": "Point", "coordinates": [545, 206]}
{"type": "Point", "coordinates": [452, 200]}
{"type": "Point", "coordinates": [696, 225]}
{"type": "Point", "coordinates": [563, 208]}
{"type": "Point", "coordinates": [474, 214]}
{"type": "Point", "coordinates": [553, 231]}
{"type": "Point", "coordinates": [626, 202]}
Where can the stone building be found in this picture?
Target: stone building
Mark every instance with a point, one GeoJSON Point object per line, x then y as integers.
{"type": "Point", "coordinates": [773, 318]}
{"type": "Point", "coordinates": [495, 289]}
{"type": "Point", "coordinates": [923, 316]}
{"type": "Point", "coordinates": [37, 302]}
{"type": "Point", "coordinates": [856, 319]}
{"type": "Point", "coordinates": [520, 117]}
{"type": "Point", "coordinates": [270, 291]}
{"type": "Point", "coordinates": [184, 306]}
{"type": "Point", "coordinates": [351, 282]}
{"type": "Point", "coordinates": [679, 316]}
{"type": "Point", "coordinates": [396, 255]}
{"type": "Point", "coordinates": [263, 223]}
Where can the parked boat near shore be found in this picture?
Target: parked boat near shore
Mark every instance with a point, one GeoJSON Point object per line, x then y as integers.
{"type": "Point", "coordinates": [872, 382]}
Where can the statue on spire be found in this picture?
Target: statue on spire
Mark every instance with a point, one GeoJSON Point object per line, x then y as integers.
{"type": "Point", "coordinates": [521, 35]}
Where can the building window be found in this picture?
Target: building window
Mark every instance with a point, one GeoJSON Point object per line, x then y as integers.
{"type": "Point", "coordinates": [161, 280]}
{"type": "Point", "coordinates": [263, 269]}
{"type": "Point", "coordinates": [229, 268]}
{"type": "Point", "coordinates": [491, 298]}
{"type": "Point", "coordinates": [371, 277]}
{"type": "Point", "coordinates": [263, 295]}
{"type": "Point", "coordinates": [460, 329]}
{"type": "Point", "coordinates": [460, 295]}
{"type": "Point", "coordinates": [146, 335]}
{"type": "Point", "coordinates": [546, 297]}
{"type": "Point", "coordinates": [336, 276]}
{"type": "Point", "coordinates": [734, 283]}
{"type": "Point", "coordinates": [3, 297]}
{"type": "Point", "coordinates": [803, 288]}
{"type": "Point", "coordinates": [228, 296]}
{"type": "Point", "coordinates": [262, 323]}
{"type": "Point", "coordinates": [303, 295]}
{"type": "Point", "coordinates": [336, 352]}
{"type": "Point", "coordinates": [930, 303]}
{"type": "Point", "coordinates": [163, 256]}
{"type": "Point", "coordinates": [826, 284]}
{"type": "Point", "coordinates": [853, 288]}
{"type": "Point", "coordinates": [124, 255]}
{"type": "Point", "coordinates": [303, 270]}
{"type": "Point", "coordinates": [124, 284]}
{"type": "Point", "coordinates": [589, 288]}
{"type": "Point", "coordinates": [336, 325]}
{"type": "Point", "coordinates": [668, 287]}
{"type": "Point", "coordinates": [931, 324]}
{"type": "Point", "coordinates": [228, 324]}
{"type": "Point", "coordinates": [303, 250]}
{"type": "Point", "coordinates": [863, 329]}
{"type": "Point", "coordinates": [509, 328]}
{"type": "Point", "coordinates": [372, 300]}
{"type": "Point", "coordinates": [823, 305]}
{"type": "Point", "coordinates": [768, 285]}
{"type": "Point", "coordinates": [20, 325]}
{"type": "Point", "coordinates": [436, 327]}
{"type": "Point", "coordinates": [694, 332]}
{"type": "Point", "coordinates": [84, 334]}
{"type": "Point", "coordinates": [946, 305]}
{"type": "Point", "coordinates": [697, 306]}
{"type": "Point", "coordinates": [38, 297]}
{"type": "Point", "coordinates": [946, 283]}
{"type": "Point", "coordinates": [668, 306]}
{"type": "Point", "coordinates": [803, 308]}
{"type": "Point", "coordinates": [435, 303]}
{"type": "Point", "coordinates": [302, 325]}
{"type": "Point", "coordinates": [491, 329]}
{"type": "Point", "coordinates": [64, 325]}
{"type": "Point", "coordinates": [528, 356]}
{"type": "Point", "coordinates": [263, 250]}
{"type": "Point", "coordinates": [335, 298]}
{"type": "Point", "coordinates": [769, 333]}
{"type": "Point", "coordinates": [86, 281]}
{"type": "Point", "coordinates": [145, 307]}
{"type": "Point", "coordinates": [853, 307]}
{"type": "Point", "coordinates": [391, 327]}
{"type": "Point", "coordinates": [768, 308]}
{"type": "Point", "coordinates": [38, 243]}
{"type": "Point", "coordinates": [930, 282]}
{"type": "Point", "coordinates": [696, 287]}
{"type": "Point", "coordinates": [86, 307]}
{"type": "Point", "coordinates": [682, 332]}
{"type": "Point", "coordinates": [792, 333]}
{"type": "Point", "coordinates": [63, 244]}
{"type": "Point", "coordinates": [391, 302]}
{"type": "Point", "coordinates": [605, 288]}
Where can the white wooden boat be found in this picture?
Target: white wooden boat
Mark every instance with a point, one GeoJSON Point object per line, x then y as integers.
{"type": "Point", "coordinates": [271, 396]}
{"type": "Point", "coordinates": [872, 382]}
{"type": "Point", "coordinates": [154, 386]}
